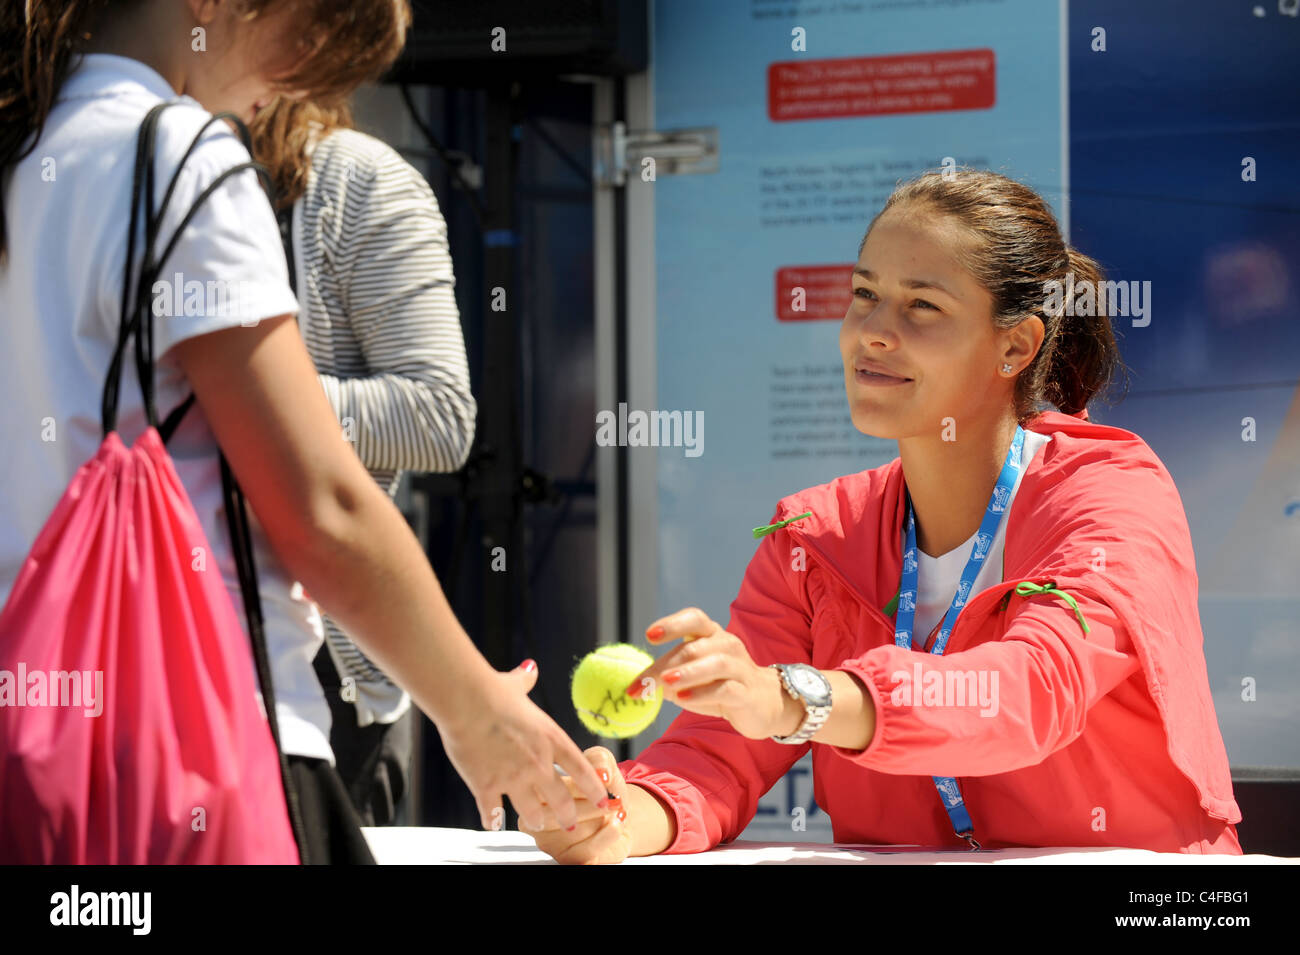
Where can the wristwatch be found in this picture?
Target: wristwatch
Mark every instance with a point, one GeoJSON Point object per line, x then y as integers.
{"type": "Point", "coordinates": [807, 685]}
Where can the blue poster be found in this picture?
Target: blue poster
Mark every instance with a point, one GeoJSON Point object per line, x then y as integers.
{"type": "Point", "coordinates": [1192, 186]}
{"type": "Point", "coordinates": [820, 109]}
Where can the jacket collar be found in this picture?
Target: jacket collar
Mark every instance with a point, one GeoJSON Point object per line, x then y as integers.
{"type": "Point", "coordinates": [857, 520]}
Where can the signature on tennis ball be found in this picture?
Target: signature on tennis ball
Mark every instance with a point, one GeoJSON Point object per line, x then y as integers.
{"type": "Point", "coordinates": [599, 691]}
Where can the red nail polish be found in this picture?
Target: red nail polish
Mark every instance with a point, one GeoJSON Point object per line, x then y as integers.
{"type": "Point", "coordinates": [634, 689]}
{"type": "Point", "coordinates": [528, 665]}
{"type": "Point", "coordinates": [684, 695]}
{"type": "Point", "coordinates": [672, 676]}
{"type": "Point", "coordinates": [603, 804]}
{"type": "Point", "coordinates": [604, 776]}
{"type": "Point", "coordinates": [654, 633]}
{"type": "Point", "coordinates": [622, 815]}
{"type": "Point", "coordinates": [570, 828]}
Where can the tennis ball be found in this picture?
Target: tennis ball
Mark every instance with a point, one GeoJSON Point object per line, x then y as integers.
{"type": "Point", "coordinates": [598, 693]}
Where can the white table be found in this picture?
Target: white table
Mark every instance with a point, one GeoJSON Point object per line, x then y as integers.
{"type": "Point", "coordinates": [429, 846]}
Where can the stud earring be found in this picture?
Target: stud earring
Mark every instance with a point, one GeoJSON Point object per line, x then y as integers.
{"type": "Point", "coordinates": [1006, 368]}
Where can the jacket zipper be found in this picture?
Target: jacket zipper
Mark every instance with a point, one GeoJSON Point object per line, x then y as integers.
{"type": "Point", "coordinates": [1001, 591]}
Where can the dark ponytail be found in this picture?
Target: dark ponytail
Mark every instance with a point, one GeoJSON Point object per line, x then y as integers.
{"type": "Point", "coordinates": [1016, 252]}
{"type": "Point", "coordinates": [1083, 355]}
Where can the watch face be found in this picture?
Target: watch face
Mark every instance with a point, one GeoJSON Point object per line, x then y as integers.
{"type": "Point", "coordinates": [810, 684]}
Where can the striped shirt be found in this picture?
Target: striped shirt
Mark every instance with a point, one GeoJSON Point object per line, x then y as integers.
{"type": "Point", "coordinates": [379, 317]}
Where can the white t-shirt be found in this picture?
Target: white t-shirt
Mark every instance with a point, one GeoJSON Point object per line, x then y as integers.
{"type": "Point", "coordinates": [938, 577]}
{"type": "Point", "coordinates": [67, 208]}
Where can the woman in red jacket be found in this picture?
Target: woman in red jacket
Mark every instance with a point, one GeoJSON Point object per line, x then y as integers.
{"type": "Point", "coordinates": [1068, 704]}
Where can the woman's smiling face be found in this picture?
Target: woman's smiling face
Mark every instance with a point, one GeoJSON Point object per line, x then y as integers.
{"type": "Point", "coordinates": [923, 321]}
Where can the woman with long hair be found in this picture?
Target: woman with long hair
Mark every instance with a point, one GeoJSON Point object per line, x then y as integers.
{"type": "Point", "coordinates": [77, 77]}
{"type": "Point", "coordinates": [990, 641]}
{"type": "Point", "coordinates": [374, 280]}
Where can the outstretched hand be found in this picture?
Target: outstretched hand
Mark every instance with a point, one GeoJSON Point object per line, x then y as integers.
{"type": "Point", "coordinates": [712, 673]}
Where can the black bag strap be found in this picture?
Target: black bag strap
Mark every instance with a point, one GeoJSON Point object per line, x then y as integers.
{"type": "Point", "coordinates": [136, 314]}
{"type": "Point", "coordinates": [241, 539]}
{"type": "Point", "coordinates": [137, 319]}
{"type": "Point", "coordinates": [173, 420]}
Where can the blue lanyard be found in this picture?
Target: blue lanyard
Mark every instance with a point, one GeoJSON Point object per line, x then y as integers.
{"type": "Point", "coordinates": [949, 791]}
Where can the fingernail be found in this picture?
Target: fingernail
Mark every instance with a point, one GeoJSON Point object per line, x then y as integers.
{"type": "Point", "coordinates": [603, 804]}
{"type": "Point", "coordinates": [622, 815]}
{"type": "Point", "coordinates": [684, 694]}
{"type": "Point", "coordinates": [654, 633]}
{"type": "Point", "coordinates": [604, 776]}
{"type": "Point", "coordinates": [672, 676]}
{"type": "Point", "coordinates": [570, 828]}
{"type": "Point", "coordinates": [634, 689]}
{"type": "Point", "coordinates": [528, 665]}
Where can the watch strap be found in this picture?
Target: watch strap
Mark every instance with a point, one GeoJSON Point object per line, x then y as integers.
{"type": "Point", "coordinates": [815, 717]}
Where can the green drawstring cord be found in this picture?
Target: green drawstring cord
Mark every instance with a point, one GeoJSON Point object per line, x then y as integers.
{"type": "Point", "coordinates": [769, 528]}
{"type": "Point", "coordinates": [1026, 589]}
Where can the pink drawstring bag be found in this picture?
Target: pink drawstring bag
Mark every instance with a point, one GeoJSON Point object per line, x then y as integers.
{"type": "Point", "coordinates": [130, 730]}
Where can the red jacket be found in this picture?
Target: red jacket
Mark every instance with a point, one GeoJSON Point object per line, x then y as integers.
{"type": "Point", "coordinates": [1107, 738]}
